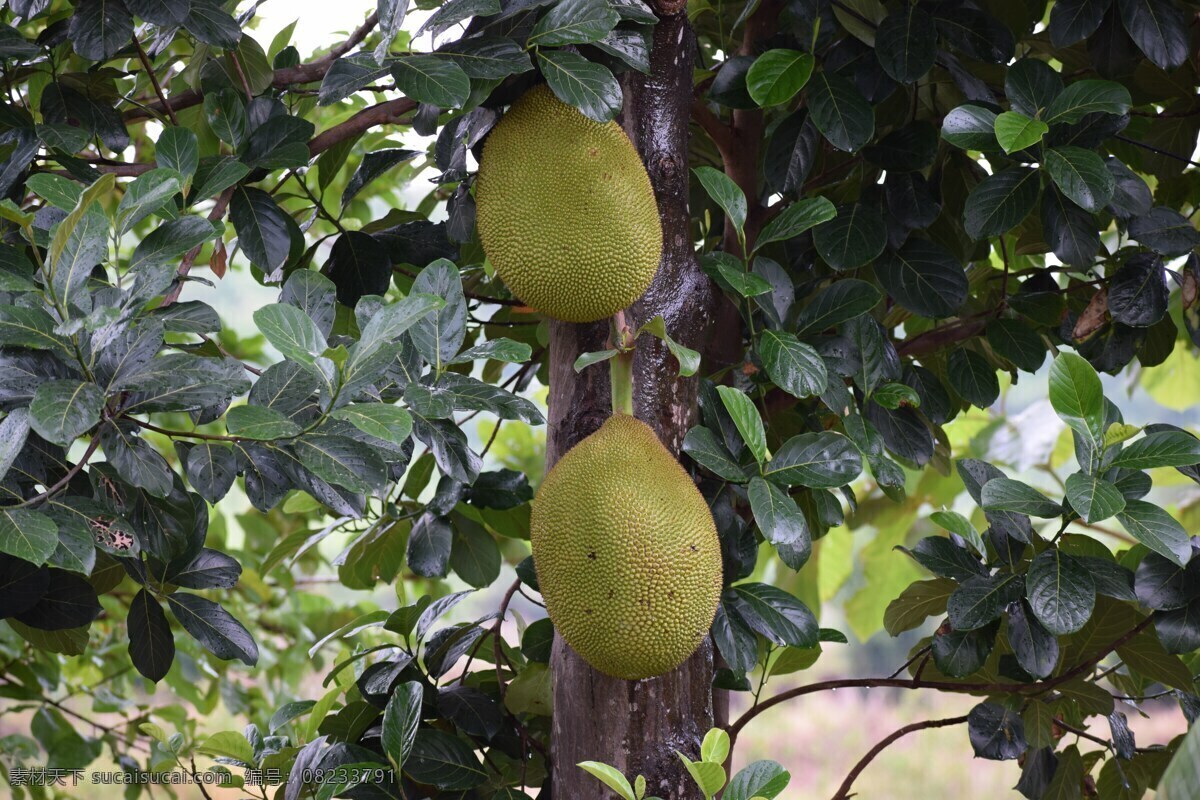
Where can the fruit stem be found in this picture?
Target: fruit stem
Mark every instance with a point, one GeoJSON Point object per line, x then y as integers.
{"type": "Point", "coordinates": [621, 368]}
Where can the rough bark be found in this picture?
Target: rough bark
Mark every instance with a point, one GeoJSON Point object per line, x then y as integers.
{"type": "Point", "coordinates": [638, 726]}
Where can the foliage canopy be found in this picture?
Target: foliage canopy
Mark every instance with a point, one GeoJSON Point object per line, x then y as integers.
{"type": "Point", "coordinates": [906, 206]}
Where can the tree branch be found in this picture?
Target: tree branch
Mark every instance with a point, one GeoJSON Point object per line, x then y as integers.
{"type": "Point", "coordinates": [843, 791]}
{"type": "Point", "coordinates": [285, 77]}
{"type": "Point", "coordinates": [1035, 688]}
{"type": "Point", "coordinates": [717, 130]}
{"type": "Point", "coordinates": [381, 114]}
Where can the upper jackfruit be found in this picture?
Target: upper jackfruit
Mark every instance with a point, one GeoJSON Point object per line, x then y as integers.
{"type": "Point", "coordinates": [565, 210]}
{"type": "Point", "coordinates": [626, 552]}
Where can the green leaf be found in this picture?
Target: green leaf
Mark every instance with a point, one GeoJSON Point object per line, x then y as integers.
{"type": "Point", "coordinates": [971, 128]}
{"type": "Point", "coordinates": [744, 283]}
{"type": "Point", "coordinates": [778, 517]}
{"type": "Point", "coordinates": [62, 410]}
{"type": "Point", "coordinates": [1181, 780]}
{"type": "Point", "coordinates": [973, 378]}
{"type": "Point", "coordinates": [824, 460]}
{"type": "Point", "coordinates": [980, 599]}
{"type": "Point", "coordinates": [389, 423]}
{"type": "Point", "coordinates": [445, 761]}
{"type": "Point", "coordinates": [1077, 396]}
{"type": "Point", "coordinates": [574, 22]}
{"type": "Point", "coordinates": [1017, 342]}
{"type": "Point", "coordinates": [291, 332]}
{"type": "Point", "coordinates": [610, 777]}
{"type": "Point", "coordinates": [1159, 29]}
{"type": "Point", "coordinates": [1159, 449]}
{"type": "Point", "coordinates": [777, 75]}
{"type": "Point", "coordinates": [178, 149]}
{"type": "Point", "coordinates": [1093, 498]}
{"type": "Point", "coordinates": [842, 301]}
{"type": "Point", "coordinates": [264, 230]}
{"type": "Point", "coordinates": [958, 524]}
{"type": "Point", "coordinates": [145, 195]}
{"type": "Point", "coordinates": [578, 82]}
{"type": "Point", "coordinates": [715, 747]}
{"type": "Point", "coordinates": [1015, 131]}
{"type": "Point", "coordinates": [765, 779]}
{"type": "Point", "coordinates": [747, 419]}
{"type": "Point", "coordinates": [923, 277]}
{"type": "Point", "coordinates": [1088, 97]}
{"type": "Point", "coordinates": [708, 776]}
{"type": "Point", "coordinates": [840, 112]}
{"type": "Point", "coordinates": [1000, 202]}
{"type": "Point", "coordinates": [775, 614]}
{"type": "Point", "coordinates": [586, 360]}
{"type": "Point", "coordinates": [259, 422]}
{"type": "Point", "coordinates": [27, 534]}
{"type": "Point", "coordinates": [795, 220]}
{"type": "Point", "coordinates": [98, 29]}
{"type": "Point", "coordinates": [917, 602]}
{"type": "Point", "coordinates": [792, 365]}
{"type": "Point", "coordinates": [1144, 654]}
{"type": "Point", "coordinates": [172, 239]}
{"type": "Point", "coordinates": [906, 43]}
{"type": "Point", "coordinates": [214, 628]}
{"type": "Point", "coordinates": [707, 449]}
{"type": "Point", "coordinates": [1006, 494]}
{"type": "Point", "coordinates": [228, 744]}
{"type": "Point", "coordinates": [341, 461]}
{"type": "Point", "coordinates": [1158, 530]}
{"type": "Point", "coordinates": [689, 360]}
{"type": "Point", "coordinates": [852, 238]}
{"type": "Point", "coordinates": [1081, 175]}
{"type": "Point", "coordinates": [725, 193]}
{"type": "Point", "coordinates": [432, 79]}
{"type": "Point", "coordinates": [14, 431]}
{"type": "Point", "coordinates": [401, 717]}
{"type": "Point", "coordinates": [62, 193]}
{"type": "Point", "coordinates": [1060, 590]}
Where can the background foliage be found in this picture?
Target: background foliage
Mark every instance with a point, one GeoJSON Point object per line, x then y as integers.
{"type": "Point", "coordinates": [908, 208]}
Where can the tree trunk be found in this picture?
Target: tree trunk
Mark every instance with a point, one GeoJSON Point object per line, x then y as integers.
{"type": "Point", "coordinates": [638, 726]}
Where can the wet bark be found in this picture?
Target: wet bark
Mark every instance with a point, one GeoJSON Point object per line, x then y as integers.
{"type": "Point", "coordinates": [638, 726]}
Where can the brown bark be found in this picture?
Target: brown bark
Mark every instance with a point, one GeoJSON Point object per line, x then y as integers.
{"type": "Point", "coordinates": [638, 726]}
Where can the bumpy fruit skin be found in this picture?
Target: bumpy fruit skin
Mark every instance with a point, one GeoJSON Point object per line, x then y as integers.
{"type": "Point", "coordinates": [626, 552]}
{"type": "Point", "coordinates": [565, 210]}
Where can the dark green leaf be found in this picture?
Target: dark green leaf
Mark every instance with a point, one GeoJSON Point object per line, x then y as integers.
{"type": "Point", "coordinates": [63, 410]}
{"type": "Point", "coordinates": [1081, 175]}
{"type": "Point", "coordinates": [977, 34]}
{"type": "Point", "coordinates": [725, 193]}
{"type": "Point", "coordinates": [973, 378]}
{"type": "Point", "coordinates": [1088, 97]}
{"type": "Point", "coordinates": [795, 220]}
{"type": "Point", "coordinates": [855, 236]}
{"type": "Point", "coordinates": [400, 720]}
{"type": "Point", "coordinates": [488, 58]}
{"type": "Point", "coordinates": [775, 614]}
{"type": "Point", "coordinates": [151, 645]}
{"type": "Point", "coordinates": [779, 518]}
{"type": "Point", "coordinates": [1159, 449]}
{"type": "Point", "coordinates": [264, 230]}
{"type": "Point", "coordinates": [1165, 231]}
{"type": "Point", "coordinates": [923, 277]}
{"type": "Point", "coordinates": [1159, 28]}
{"type": "Point", "coordinates": [906, 43]}
{"type": "Point", "coordinates": [431, 79]}
{"type": "Point", "coordinates": [578, 82]}
{"type": "Point", "coordinates": [823, 460]}
{"type": "Point", "coordinates": [996, 733]}
{"type": "Point", "coordinates": [971, 128]}
{"type": "Point", "coordinates": [1061, 590]}
{"type": "Point", "coordinates": [1072, 21]}
{"type": "Point", "coordinates": [574, 22]}
{"type": "Point", "coordinates": [1006, 494]}
{"type": "Point", "coordinates": [794, 366]}
{"type": "Point", "coordinates": [444, 761]}
{"type": "Point", "coordinates": [1035, 648]}
{"type": "Point", "coordinates": [1000, 202]}
{"type": "Point", "coordinates": [841, 301]}
{"type": "Point", "coordinates": [706, 448]}
{"type": "Point", "coordinates": [99, 28]}
{"type": "Point", "coordinates": [1018, 343]}
{"type": "Point", "coordinates": [214, 628]}
{"type": "Point", "coordinates": [28, 535]}
{"type": "Point", "coordinates": [980, 599]}
{"type": "Point", "coordinates": [1158, 530]}
{"type": "Point", "coordinates": [840, 112]}
{"type": "Point", "coordinates": [178, 149]}
{"type": "Point", "coordinates": [69, 602]}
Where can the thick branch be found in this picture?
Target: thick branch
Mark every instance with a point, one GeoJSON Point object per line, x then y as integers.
{"type": "Point", "coordinates": [843, 791]}
{"type": "Point", "coordinates": [381, 114]}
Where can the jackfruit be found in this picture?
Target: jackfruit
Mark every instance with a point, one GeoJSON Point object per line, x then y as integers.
{"type": "Point", "coordinates": [565, 210]}
{"type": "Point", "coordinates": [626, 552]}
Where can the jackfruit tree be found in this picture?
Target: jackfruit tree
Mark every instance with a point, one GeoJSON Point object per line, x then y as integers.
{"type": "Point", "coordinates": [563, 398]}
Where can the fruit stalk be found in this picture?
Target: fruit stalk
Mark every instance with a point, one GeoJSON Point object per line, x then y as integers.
{"type": "Point", "coordinates": [621, 368]}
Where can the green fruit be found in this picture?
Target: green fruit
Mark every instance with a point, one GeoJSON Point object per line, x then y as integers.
{"type": "Point", "coordinates": [626, 552]}
{"type": "Point", "coordinates": [565, 210]}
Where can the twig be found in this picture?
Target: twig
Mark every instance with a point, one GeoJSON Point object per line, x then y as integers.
{"type": "Point", "coordinates": [71, 473]}
{"type": "Point", "coordinates": [843, 791]}
{"type": "Point", "coordinates": [218, 211]}
{"type": "Point", "coordinates": [1158, 150]}
{"type": "Point", "coordinates": [154, 81]}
